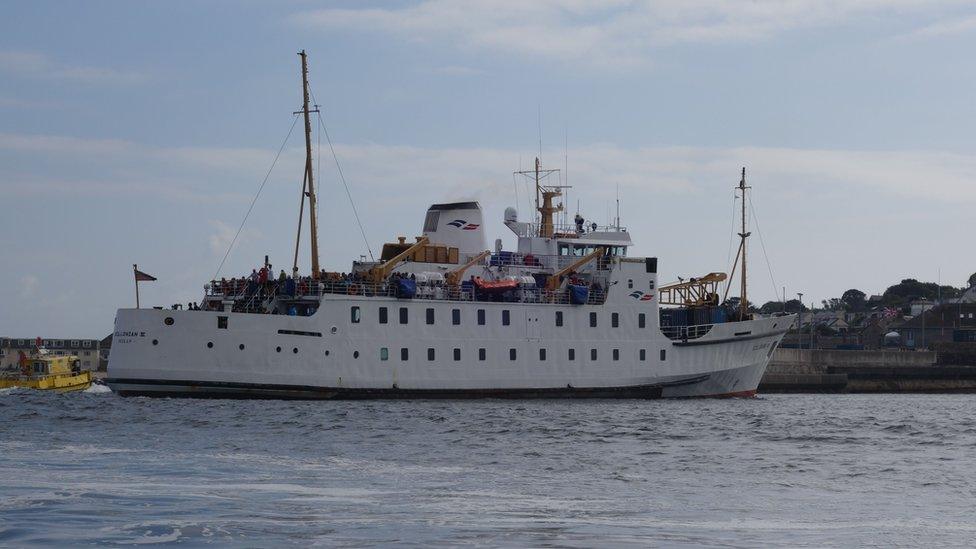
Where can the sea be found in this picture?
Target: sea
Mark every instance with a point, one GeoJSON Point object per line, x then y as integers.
{"type": "Point", "coordinates": [92, 468]}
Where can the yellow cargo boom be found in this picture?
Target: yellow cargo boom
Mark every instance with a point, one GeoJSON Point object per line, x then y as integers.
{"type": "Point", "coordinates": [696, 292]}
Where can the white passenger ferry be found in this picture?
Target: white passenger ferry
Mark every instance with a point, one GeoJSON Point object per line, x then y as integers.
{"type": "Point", "coordinates": [566, 314]}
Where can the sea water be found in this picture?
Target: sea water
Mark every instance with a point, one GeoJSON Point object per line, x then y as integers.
{"type": "Point", "coordinates": [783, 470]}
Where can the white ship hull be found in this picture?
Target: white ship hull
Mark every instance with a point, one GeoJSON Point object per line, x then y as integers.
{"type": "Point", "coordinates": [327, 355]}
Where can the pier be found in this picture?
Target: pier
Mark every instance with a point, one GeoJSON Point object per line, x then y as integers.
{"type": "Point", "coordinates": [839, 371]}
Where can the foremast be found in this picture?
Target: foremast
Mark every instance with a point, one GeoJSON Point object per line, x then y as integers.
{"type": "Point", "coordinates": [308, 186]}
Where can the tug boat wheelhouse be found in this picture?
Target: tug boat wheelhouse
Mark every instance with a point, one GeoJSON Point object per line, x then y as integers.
{"type": "Point", "coordinates": [566, 314]}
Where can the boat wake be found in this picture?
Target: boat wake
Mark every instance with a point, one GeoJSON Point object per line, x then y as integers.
{"type": "Point", "coordinates": [98, 388]}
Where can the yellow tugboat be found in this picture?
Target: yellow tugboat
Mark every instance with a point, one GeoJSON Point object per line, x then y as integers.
{"type": "Point", "coordinates": [43, 371]}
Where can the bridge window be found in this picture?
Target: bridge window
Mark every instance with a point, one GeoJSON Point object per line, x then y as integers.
{"type": "Point", "coordinates": [457, 354]}
{"type": "Point", "coordinates": [559, 318]}
{"type": "Point", "coordinates": [592, 320]}
{"type": "Point", "coordinates": [430, 353]}
{"type": "Point", "coordinates": [430, 316]}
{"type": "Point", "coordinates": [481, 317]}
{"type": "Point", "coordinates": [641, 320]}
{"type": "Point", "coordinates": [403, 315]}
{"type": "Point", "coordinates": [572, 354]}
{"type": "Point", "coordinates": [456, 316]}
{"type": "Point", "coordinates": [383, 315]}
{"type": "Point", "coordinates": [404, 353]}
{"type": "Point", "coordinates": [354, 315]}
{"type": "Point", "coordinates": [615, 320]}
{"type": "Point", "coordinates": [506, 317]}
{"type": "Point", "coordinates": [482, 354]}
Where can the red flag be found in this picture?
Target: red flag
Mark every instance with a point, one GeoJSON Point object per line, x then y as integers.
{"type": "Point", "coordinates": [143, 277]}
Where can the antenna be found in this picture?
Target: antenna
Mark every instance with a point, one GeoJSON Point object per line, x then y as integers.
{"type": "Point", "coordinates": [566, 174]}
{"type": "Point", "coordinates": [618, 206]}
{"type": "Point", "coordinates": [540, 131]}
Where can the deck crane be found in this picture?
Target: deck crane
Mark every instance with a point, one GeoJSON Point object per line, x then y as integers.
{"type": "Point", "coordinates": [379, 273]}
{"type": "Point", "coordinates": [557, 277]}
{"type": "Point", "coordinates": [455, 276]}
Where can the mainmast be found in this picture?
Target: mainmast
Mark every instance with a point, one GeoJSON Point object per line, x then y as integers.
{"type": "Point", "coordinates": [308, 188]}
{"type": "Point", "coordinates": [547, 192]}
{"type": "Point", "coordinates": [743, 302]}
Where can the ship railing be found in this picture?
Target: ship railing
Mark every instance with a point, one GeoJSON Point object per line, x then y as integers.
{"type": "Point", "coordinates": [257, 300]}
{"type": "Point", "coordinates": [684, 333]}
{"type": "Point", "coordinates": [542, 262]}
{"type": "Point", "coordinates": [446, 292]}
{"type": "Point", "coordinates": [570, 230]}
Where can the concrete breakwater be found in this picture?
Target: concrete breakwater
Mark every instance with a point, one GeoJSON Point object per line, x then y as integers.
{"type": "Point", "coordinates": [804, 370]}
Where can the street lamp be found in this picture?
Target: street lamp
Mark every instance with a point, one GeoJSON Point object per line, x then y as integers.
{"type": "Point", "coordinates": [799, 321]}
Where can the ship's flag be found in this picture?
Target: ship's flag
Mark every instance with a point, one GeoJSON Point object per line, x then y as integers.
{"type": "Point", "coordinates": [143, 277]}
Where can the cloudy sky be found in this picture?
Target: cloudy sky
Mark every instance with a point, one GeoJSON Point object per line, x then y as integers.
{"type": "Point", "coordinates": [140, 132]}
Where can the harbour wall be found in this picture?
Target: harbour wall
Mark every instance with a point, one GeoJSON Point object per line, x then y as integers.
{"type": "Point", "coordinates": [836, 371]}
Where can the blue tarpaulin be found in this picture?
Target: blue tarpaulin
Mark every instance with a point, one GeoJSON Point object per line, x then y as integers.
{"type": "Point", "coordinates": [406, 288]}
{"type": "Point", "coordinates": [577, 294]}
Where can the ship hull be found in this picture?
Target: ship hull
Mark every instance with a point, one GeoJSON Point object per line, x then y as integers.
{"type": "Point", "coordinates": [325, 356]}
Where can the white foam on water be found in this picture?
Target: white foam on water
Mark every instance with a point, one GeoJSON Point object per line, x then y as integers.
{"type": "Point", "coordinates": [97, 388]}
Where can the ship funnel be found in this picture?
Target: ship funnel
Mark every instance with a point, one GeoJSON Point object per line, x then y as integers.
{"type": "Point", "coordinates": [458, 224]}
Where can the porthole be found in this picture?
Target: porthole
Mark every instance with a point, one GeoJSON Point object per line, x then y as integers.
{"type": "Point", "coordinates": [277, 349]}
{"type": "Point", "coordinates": [155, 342]}
{"type": "Point", "coordinates": [168, 321]}
{"type": "Point", "coordinates": [334, 330]}
{"type": "Point", "coordinates": [295, 350]}
{"type": "Point", "coordinates": [355, 354]}
{"type": "Point", "coordinates": [326, 352]}
{"type": "Point", "coordinates": [241, 346]}
{"type": "Point", "coordinates": [210, 344]}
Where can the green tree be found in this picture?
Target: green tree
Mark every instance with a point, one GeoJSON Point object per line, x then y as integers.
{"type": "Point", "coordinates": [972, 280]}
{"type": "Point", "coordinates": [853, 300]}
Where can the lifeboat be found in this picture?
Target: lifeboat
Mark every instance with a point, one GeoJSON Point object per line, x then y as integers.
{"type": "Point", "coordinates": [495, 286]}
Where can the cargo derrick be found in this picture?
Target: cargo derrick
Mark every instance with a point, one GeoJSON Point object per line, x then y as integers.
{"type": "Point", "coordinates": [697, 292]}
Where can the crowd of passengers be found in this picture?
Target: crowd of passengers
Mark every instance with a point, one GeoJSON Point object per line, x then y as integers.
{"type": "Point", "coordinates": [250, 292]}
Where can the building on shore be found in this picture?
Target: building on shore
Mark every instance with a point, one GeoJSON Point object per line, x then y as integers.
{"type": "Point", "coordinates": [87, 350]}
{"type": "Point", "coordinates": [939, 324]}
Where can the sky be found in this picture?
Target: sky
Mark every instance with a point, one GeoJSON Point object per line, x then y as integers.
{"type": "Point", "coordinates": [139, 133]}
